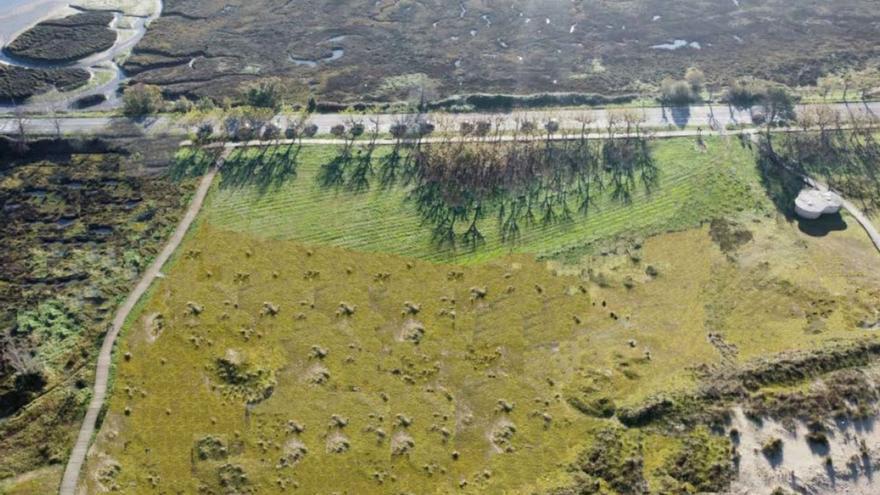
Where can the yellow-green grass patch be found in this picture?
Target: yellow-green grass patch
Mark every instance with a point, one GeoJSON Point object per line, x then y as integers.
{"type": "Point", "coordinates": [513, 357]}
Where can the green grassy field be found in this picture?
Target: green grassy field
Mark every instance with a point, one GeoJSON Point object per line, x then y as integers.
{"type": "Point", "coordinates": [694, 186]}
{"type": "Point", "coordinates": [467, 388]}
{"type": "Point", "coordinates": [285, 352]}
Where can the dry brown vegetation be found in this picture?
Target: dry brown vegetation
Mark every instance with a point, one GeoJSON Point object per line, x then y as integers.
{"type": "Point", "coordinates": [20, 83]}
{"type": "Point", "coordinates": [409, 49]}
{"type": "Point", "coordinates": [65, 40]}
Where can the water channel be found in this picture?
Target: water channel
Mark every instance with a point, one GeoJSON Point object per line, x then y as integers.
{"type": "Point", "coordinates": [130, 23]}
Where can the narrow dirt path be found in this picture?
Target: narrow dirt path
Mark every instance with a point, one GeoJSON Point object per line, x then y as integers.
{"type": "Point", "coordinates": [77, 457]}
{"type": "Point", "coordinates": [863, 219]}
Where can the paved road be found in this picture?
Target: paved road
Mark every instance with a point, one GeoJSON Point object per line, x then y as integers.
{"type": "Point", "coordinates": [77, 457]}
{"type": "Point", "coordinates": [504, 138]}
{"type": "Point", "coordinates": [752, 132]}
{"type": "Point", "coordinates": [705, 116]}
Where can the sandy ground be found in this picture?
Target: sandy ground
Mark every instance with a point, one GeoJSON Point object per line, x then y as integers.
{"type": "Point", "coordinates": [802, 467]}
{"type": "Point", "coordinates": [18, 15]}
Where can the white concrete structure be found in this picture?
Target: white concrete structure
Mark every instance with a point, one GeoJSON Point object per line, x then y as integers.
{"type": "Point", "coordinates": [813, 203]}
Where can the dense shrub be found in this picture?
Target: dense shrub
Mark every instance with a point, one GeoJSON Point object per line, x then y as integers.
{"type": "Point", "coordinates": [20, 83]}
{"type": "Point", "coordinates": [141, 99]}
{"type": "Point", "coordinates": [743, 94]}
{"type": "Point", "coordinates": [496, 102]}
{"type": "Point", "coordinates": [677, 92]}
{"type": "Point", "coordinates": [89, 101]}
{"type": "Point", "coordinates": [267, 93]}
{"type": "Point", "coordinates": [613, 461]}
{"type": "Point", "coordinates": [703, 464]}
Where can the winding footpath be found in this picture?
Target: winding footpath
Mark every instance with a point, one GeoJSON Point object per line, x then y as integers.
{"type": "Point", "coordinates": [130, 23]}
{"type": "Point", "coordinates": [102, 374]}
{"type": "Point", "coordinates": [863, 219]}
{"type": "Point", "coordinates": [849, 206]}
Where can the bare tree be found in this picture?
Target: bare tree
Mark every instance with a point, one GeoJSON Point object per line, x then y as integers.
{"type": "Point", "coordinates": [847, 81]}
{"type": "Point", "coordinates": [483, 128]}
{"type": "Point", "coordinates": [56, 122]}
{"type": "Point", "coordinates": [632, 121]}
{"type": "Point", "coordinates": [309, 130]}
{"type": "Point", "coordinates": [551, 126]}
{"type": "Point", "coordinates": [586, 121]}
{"type": "Point", "coordinates": [615, 118]}
{"type": "Point", "coordinates": [466, 128]}
{"type": "Point", "coordinates": [20, 137]}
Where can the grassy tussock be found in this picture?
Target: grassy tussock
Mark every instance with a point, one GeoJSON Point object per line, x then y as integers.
{"type": "Point", "coordinates": [481, 399]}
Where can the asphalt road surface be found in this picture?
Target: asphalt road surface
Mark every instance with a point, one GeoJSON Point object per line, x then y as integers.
{"type": "Point", "coordinates": [709, 117]}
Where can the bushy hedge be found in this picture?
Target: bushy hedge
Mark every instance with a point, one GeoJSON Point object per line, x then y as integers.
{"type": "Point", "coordinates": [58, 147]}
{"type": "Point", "coordinates": [496, 102]}
{"type": "Point", "coordinates": [484, 102]}
{"type": "Point", "coordinates": [89, 101]}
{"type": "Point", "coordinates": [335, 107]}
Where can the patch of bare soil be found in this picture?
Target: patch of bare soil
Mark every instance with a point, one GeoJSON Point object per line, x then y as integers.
{"type": "Point", "coordinates": [840, 458]}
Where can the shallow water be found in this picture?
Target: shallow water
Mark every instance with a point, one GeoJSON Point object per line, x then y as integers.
{"type": "Point", "coordinates": [18, 15]}
{"type": "Point", "coordinates": [676, 44]}
{"type": "Point", "coordinates": [336, 54]}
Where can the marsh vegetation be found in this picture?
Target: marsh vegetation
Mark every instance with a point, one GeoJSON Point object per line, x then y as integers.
{"type": "Point", "coordinates": [76, 232]}
{"type": "Point", "coordinates": [65, 40]}
{"type": "Point", "coordinates": [431, 49]}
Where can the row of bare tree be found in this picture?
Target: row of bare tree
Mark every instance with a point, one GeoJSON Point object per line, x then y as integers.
{"type": "Point", "coordinates": [529, 178]}
{"type": "Point", "coordinates": [840, 147]}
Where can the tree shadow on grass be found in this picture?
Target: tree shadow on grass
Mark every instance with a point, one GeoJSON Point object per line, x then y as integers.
{"type": "Point", "coordinates": [190, 163]}
{"type": "Point", "coordinates": [781, 185]}
{"type": "Point", "coordinates": [265, 169]}
{"type": "Point", "coordinates": [680, 116]}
